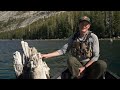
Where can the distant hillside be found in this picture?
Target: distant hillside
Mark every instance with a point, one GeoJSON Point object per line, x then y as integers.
{"type": "Point", "coordinates": [10, 20]}
{"type": "Point", "coordinates": [59, 25]}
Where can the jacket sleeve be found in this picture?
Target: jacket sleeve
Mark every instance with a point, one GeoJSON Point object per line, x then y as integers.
{"type": "Point", "coordinates": [66, 47]}
{"type": "Point", "coordinates": [95, 48]}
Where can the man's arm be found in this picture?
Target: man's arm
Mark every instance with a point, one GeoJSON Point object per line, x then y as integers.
{"type": "Point", "coordinates": [53, 54]}
{"type": "Point", "coordinates": [87, 65]}
{"type": "Point", "coordinates": [59, 52]}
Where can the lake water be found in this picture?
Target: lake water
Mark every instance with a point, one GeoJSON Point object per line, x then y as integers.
{"type": "Point", "coordinates": [109, 51]}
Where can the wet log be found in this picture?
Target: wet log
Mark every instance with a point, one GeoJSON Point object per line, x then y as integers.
{"type": "Point", "coordinates": [30, 65]}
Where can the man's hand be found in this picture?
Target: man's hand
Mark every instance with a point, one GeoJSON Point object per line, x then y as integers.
{"type": "Point", "coordinates": [81, 69]}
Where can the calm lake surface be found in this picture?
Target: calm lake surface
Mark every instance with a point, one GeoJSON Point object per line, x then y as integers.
{"type": "Point", "coordinates": [109, 51]}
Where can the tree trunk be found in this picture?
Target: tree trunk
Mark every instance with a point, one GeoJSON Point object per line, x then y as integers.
{"type": "Point", "coordinates": [30, 64]}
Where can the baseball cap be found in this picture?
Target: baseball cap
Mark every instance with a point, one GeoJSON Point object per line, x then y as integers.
{"type": "Point", "coordinates": [84, 18]}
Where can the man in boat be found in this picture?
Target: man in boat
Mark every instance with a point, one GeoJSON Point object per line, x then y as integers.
{"type": "Point", "coordinates": [83, 50]}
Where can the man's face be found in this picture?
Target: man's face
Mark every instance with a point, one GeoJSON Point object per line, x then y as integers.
{"type": "Point", "coordinates": [84, 26]}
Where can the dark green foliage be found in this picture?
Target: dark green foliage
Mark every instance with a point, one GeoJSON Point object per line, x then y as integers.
{"type": "Point", "coordinates": [106, 24]}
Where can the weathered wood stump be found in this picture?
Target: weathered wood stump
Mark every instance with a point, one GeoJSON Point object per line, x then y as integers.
{"type": "Point", "coordinates": [30, 65]}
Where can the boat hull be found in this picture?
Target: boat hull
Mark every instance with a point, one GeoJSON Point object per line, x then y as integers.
{"type": "Point", "coordinates": [65, 75]}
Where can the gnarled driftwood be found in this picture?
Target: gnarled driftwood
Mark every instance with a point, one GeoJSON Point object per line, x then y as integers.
{"type": "Point", "coordinates": [30, 65]}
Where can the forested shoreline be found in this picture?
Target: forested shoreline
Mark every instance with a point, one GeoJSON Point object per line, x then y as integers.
{"type": "Point", "coordinates": [106, 24]}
